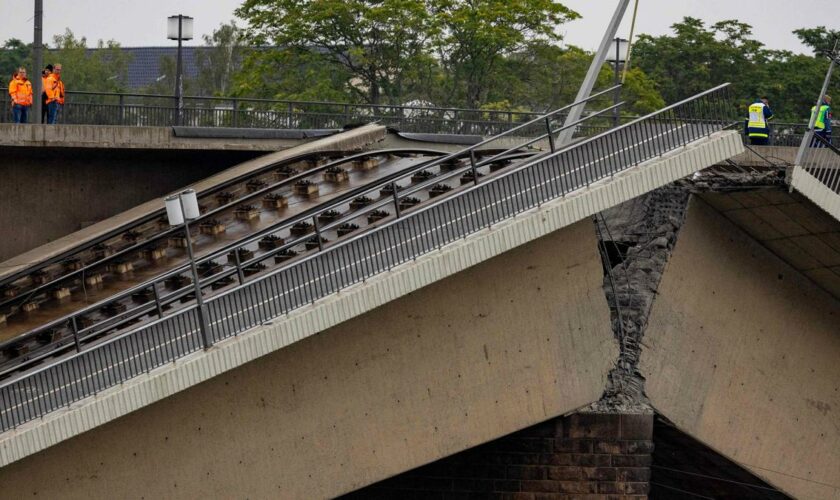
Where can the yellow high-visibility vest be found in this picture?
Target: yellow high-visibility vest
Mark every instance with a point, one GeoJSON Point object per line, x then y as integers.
{"type": "Point", "coordinates": [820, 123]}
{"type": "Point", "coordinates": [757, 120]}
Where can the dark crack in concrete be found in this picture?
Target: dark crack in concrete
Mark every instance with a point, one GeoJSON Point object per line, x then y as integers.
{"type": "Point", "coordinates": [636, 241]}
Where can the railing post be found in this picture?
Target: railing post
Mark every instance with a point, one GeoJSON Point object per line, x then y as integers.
{"type": "Point", "coordinates": [318, 232]}
{"type": "Point", "coordinates": [396, 199]}
{"type": "Point", "coordinates": [238, 262]}
{"type": "Point", "coordinates": [122, 109]}
{"type": "Point", "coordinates": [291, 113]}
{"type": "Point", "coordinates": [550, 135]}
{"type": "Point", "coordinates": [346, 114]}
{"type": "Point", "coordinates": [473, 167]}
{"type": "Point", "coordinates": [235, 120]}
{"type": "Point", "coordinates": [75, 327]}
{"type": "Point", "coordinates": [158, 305]}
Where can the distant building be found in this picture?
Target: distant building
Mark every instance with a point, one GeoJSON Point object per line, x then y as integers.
{"type": "Point", "coordinates": [144, 66]}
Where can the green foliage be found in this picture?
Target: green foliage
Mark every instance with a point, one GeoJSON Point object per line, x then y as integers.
{"type": "Point", "coordinates": [294, 74]}
{"type": "Point", "coordinates": [377, 42]}
{"type": "Point", "coordinates": [13, 55]}
{"type": "Point", "coordinates": [820, 39]}
{"type": "Point", "coordinates": [471, 38]}
{"type": "Point", "coordinates": [102, 70]}
{"type": "Point", "coordinates": [165, 83]}
{"type": "Point", "coordinates": [697, 57]}
{"type": "Point", "coordinates": [544, 77]}
{"type": "Point", "coordinates": [220, 62]}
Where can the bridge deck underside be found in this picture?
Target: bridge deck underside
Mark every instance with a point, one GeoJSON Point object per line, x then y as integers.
{"type": "Point", "coordinates": [790, 226]}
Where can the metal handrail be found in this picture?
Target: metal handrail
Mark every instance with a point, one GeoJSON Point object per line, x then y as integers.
{"type": "Point", "coordinates": [37, 392]}
{"type": "Point", "coordinates": [176, 230]}
{"type": "Point", "coordinates": [822, 161]}
{"type": "Point", "coordinates": [306, 215]}
{"type": "Point", "coordinates": [295, 102]}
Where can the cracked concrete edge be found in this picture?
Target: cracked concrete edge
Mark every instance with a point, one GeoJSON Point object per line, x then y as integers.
{"type": "Point", "coordinates": [193, 369]}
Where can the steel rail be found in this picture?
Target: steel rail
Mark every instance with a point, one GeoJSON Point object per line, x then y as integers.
{"type": "Point", "coordinates": [169, 232]}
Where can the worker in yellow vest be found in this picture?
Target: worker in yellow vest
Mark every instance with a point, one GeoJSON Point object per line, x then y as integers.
{"type": "Point", "coordinates": [822, 122]}
{"type": "Point", "coordinates": [758, 123]}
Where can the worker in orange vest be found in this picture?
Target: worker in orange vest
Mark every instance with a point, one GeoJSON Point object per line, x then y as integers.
{"type": "Point", "coordinates": [54, 89]}
{"type": "Point", "coordinates": [45, 73]}
{"type": "Point", "coordinates": [20, 90]}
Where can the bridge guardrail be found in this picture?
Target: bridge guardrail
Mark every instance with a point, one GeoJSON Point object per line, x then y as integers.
{"type": "Point", "coordinates": [822, 161]}
{"type": "Point", "coordinates": [34, 394]}
{"type": "Point", "coordinates": [127, 109]}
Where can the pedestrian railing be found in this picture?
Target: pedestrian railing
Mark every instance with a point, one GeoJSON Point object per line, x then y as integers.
{"type": "Point", "coordinates": [102, 108]}
{"type": "Point", "coordinates": [821, 160]}
{"type": "Point", "coordinates": [154, 110]}
{"type": "Point", "coordinates": [409, 234]}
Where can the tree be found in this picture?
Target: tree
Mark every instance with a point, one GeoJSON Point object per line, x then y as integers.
{"type": "Point", "coordinates": [219, 63]}
{"type": "Point", "coordinates": [13, 55]}
{"type": "Point", "coordinates": [101, 70]}
{"type": "Point", "coordinates": [165, 82]}
{"type": "Point", "coordinates": [473, 37]}
{"type": "Point", "coordinates": [295, 74]}
{"type": "Point", "coordinates": [820, 39]}
{"type": "Point", "coordinates": [697, 58]}
{"type": "Point", "coordinates": [545, 77]}
{"type": "Point", "coordinates": [376, 42]}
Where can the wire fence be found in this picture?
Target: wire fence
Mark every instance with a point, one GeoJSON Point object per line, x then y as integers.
{"type": "Point", "coordinates": [409, 234]}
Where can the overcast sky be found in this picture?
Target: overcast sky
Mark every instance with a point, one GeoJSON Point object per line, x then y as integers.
{"type": "Point", "coordinates": [143, 22]}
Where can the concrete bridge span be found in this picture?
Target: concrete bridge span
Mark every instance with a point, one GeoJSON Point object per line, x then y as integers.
{"type": "Point", "coordinates": [497, 351]}
{"type": "Point", "coordinates": [432, 356]}
{"type": "Point", "coordinates": [501, 346]}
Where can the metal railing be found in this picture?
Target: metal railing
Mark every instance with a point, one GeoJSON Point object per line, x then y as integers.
{"type": "Point", "coordinates": [102, 108]}
{"type": "Point", "coordinates": [822, 160]}
{"type": "Point", "coordinates": [790, 134]}
{"type": "Point", "coordinates": [408, 234]}
{"type": "Point", "coordinates": [128, 109]}
{"type": "Point", "coordinates": [72, 321]}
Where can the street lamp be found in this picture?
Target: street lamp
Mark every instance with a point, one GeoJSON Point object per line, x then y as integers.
{"type": "Point", "coordinates": [179, 28]}
{"type": "Point", "coordinates": [617, 56]}
{"type": "Point", "coordinates": [180, 209]}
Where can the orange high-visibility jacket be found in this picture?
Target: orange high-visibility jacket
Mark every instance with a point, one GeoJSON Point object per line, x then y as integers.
{"type": "Point", "coordinates": [60, 91]}
{"type": "Point", "coordinates": [51, 88]}
{"type": "Point", "coordinates": [21, 91]}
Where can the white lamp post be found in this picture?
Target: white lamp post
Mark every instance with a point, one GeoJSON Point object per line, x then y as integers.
{"type": "Point", "coordinates": [617, 56]}
{"type": "Point", "coordinates": [179, 28]}
{"type": "Point", "coordinates": [180, 209]}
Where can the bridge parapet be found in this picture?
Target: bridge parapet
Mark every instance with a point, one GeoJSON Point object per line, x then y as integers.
{"type": "Point", "coordinates": [818, 175]}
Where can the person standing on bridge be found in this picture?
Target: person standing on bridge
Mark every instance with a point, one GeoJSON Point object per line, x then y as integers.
{"type": "Point", "coordinates": [45, 74]}
{"type": "Point", "coordinates": [20, 90]}
{"type": "Point", "coordinates": [758, 123]}
{"type": "Point", "coordinates": [822, 123]}
{"type": "Point", "coordinates": [54, 89]}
